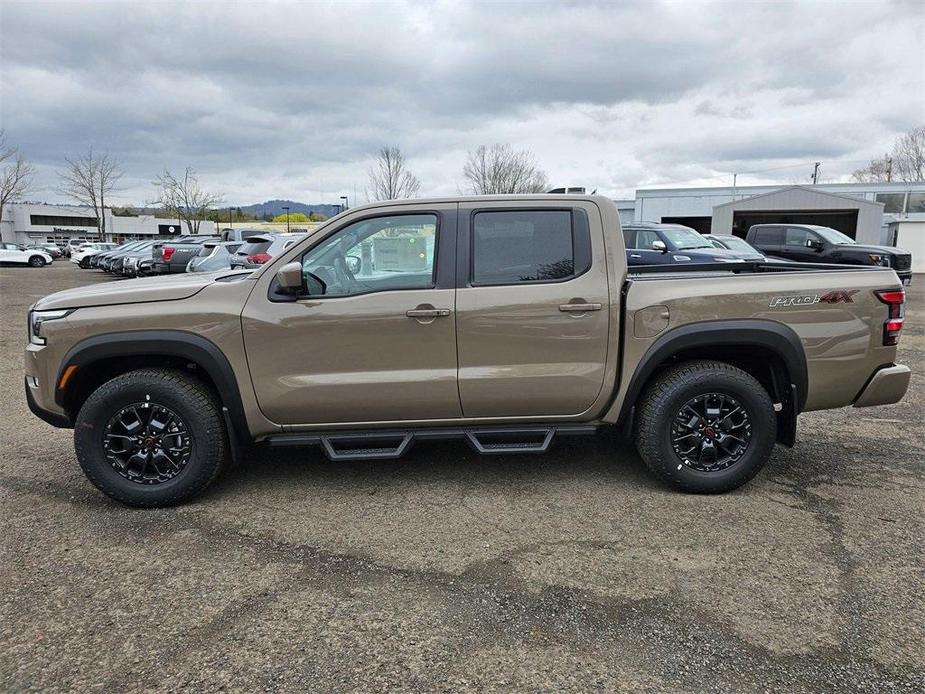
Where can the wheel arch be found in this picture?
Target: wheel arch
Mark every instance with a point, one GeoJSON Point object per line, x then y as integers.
{"type": "Point", "coordinates": [102, 357]}
{"type": "Point", "coordinates": [770, 351]}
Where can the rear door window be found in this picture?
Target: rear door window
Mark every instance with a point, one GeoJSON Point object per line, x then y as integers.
{"type": "Point", "coordinates": [514, 247]}
{"type": "Point", "coordinates": [770, 236]}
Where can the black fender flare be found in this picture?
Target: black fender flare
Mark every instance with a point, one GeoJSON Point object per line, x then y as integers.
{"type": "Point", "coordinates": [754, 333]}
{"type": "Point", "coordinates": [167, 343]}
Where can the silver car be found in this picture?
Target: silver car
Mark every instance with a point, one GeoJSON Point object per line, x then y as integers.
{"type": "Point", "coordinates": [259, 249]}
{"type": "Point", "coordinates": [214, 256]}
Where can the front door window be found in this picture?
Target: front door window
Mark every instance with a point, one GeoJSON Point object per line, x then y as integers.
{"type": "Point", "coordinates": [374, 255]}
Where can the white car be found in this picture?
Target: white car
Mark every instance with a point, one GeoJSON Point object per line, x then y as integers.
{"type": "Point", "coordinates": [14, 253]}
{"type": "Point", "coordinates": [89, 249]}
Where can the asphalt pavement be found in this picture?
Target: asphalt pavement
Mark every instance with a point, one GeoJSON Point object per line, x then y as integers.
{"type": "Point", "coordinates": [446, 571]}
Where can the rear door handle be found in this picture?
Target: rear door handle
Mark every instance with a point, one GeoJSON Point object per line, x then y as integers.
{"type": "Point", "coordinates": [427, 312]}
{"type": "Point", "coordinates": [635, 255]}
{"type": "Point", "coordinates": [579, 308]}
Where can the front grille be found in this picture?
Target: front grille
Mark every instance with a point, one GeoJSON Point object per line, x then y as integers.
{"type": "Point", "coordinates": [902, 262]}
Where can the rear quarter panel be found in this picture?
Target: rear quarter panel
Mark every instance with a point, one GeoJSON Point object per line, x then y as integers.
{"type": "Point", "coordinates": [842, 341]}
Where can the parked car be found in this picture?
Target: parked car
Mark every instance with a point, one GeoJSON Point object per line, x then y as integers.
{"type": "Point", "coordinates": [71, 245]}
{"type": "Point", "coordinates": [82, 255]}
{"type": "Point", "coordinates": [808, 243]}
{"type": "Point", "coordinates": [734, 243]}
{"type": "Point", "coordinates": [513, 327]}
{"type": "Point", "coordinates": [173, 256]}
{"type": "Point", "coordinates": [215, 255]}
{"type": "Point", "coordinates": [230, 234]}
{"type": "Point", "coordinates": [259, 249]}
{"type": "Point", "coordinates": [15, 254]}
{"type": "Point", "coordinates": [50, 248]}
{"type": "Point", "coordinates": [101, 259]}
{"type": "Point", "coordinates": [127, 264]}
{"type": "Point", "coordinates": [112, 261]}
{"type": "Point", "coordinates": [652, 243]}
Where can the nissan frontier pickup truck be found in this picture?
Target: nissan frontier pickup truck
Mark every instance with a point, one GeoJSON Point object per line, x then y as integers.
{"type": "Point", "coordinates": [505, 322]}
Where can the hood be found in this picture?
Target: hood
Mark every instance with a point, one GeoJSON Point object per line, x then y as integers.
{"type": "Point", "coordinates": [134, 291]}
{"type": "Point", "coordinates": [863, 248]}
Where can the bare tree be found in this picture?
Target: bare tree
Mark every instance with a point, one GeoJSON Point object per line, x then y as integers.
{"type": "Point", "coordinates": [389, 177]}
{"type": "Point", "coordinates": [15, 175]}
{"type": "Point", "coordinates": [88, 180]}
{"type": "Point", "coordinates": [500, 169]}
{"type": "Point", "coordinates": [909, 156]}
{"type": "Point", "coordinates": [906, 161]}
{"type": "Point", "coordinates": [184, 198]}
{"type": "Point", "coordinates": [879, 169]}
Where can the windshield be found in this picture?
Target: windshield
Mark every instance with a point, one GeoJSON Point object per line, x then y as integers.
{"type": "Point", "coordinates": [833, 236]}
{"type": "Point", "coordinates": [683, 239]}
{"type": "Point", "coordinates": [734, 243]}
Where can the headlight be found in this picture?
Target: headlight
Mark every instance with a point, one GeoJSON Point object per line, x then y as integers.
{"type": "Point", "coordinates": [37, 318]}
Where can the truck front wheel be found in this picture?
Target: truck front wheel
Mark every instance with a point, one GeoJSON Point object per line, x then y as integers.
{"type": "Point", "coordinates": [705, 426]}
{"type": "Point", "coordinates": [152, 437]}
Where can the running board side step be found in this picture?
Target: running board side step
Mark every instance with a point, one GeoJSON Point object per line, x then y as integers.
{"type": "Point", "coordinates": [391, 444]}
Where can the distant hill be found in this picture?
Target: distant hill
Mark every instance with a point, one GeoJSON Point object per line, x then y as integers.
{"type": "Point", "coordinates": [272, 208]}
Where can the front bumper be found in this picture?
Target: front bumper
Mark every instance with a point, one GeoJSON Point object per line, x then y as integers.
{"type": "Point", "coordinates": [61, 421]}
{"type": "Point", "coordinates": [886, 386]}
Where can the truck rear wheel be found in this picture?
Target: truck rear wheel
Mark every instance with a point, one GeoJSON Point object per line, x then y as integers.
{"type": "Point", "coordinates": [152, 437]}
{"type": "Point", "coordinates": [705, 427]}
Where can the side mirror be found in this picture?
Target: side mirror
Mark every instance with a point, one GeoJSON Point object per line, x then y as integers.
{"type": "Point", "coordinates": [289, 277]}
{"type": "Point", "coordinates": [354, 263]}
{"type": "Point", "coordinates": [659, 246]}
{"type": "Point", "coordinates": [813, 244]}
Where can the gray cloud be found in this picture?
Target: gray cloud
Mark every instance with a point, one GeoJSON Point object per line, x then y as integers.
{"type": "Point", "coordinates": [291, 100]}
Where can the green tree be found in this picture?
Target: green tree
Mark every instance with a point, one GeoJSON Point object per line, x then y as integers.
{"type": "Point", "coordinates": [294, 217]}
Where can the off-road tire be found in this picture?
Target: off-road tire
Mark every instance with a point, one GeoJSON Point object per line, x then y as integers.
{"type": "Point", "coordinates": [195, 404]}
{"type": "Point", "coordinates": [663, 399]}
{"type": "Point", "coordinates": [37, 261]}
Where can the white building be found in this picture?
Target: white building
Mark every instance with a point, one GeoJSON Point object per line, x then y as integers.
{"type": "Point", "coordinates": [29, 223]}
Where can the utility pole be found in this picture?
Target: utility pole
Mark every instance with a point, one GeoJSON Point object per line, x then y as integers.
{"type": "Point", "coordinates": [734, 177]}
{"type": "Point", "coordinates": [287, 219]}
{"type": "Point", "coordinates": [816, 172]}
{"type": "Point", "coordinates": [889, 169]}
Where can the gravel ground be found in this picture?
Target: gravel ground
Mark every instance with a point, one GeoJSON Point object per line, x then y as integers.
{"type": "Point", "coordinates": [446, 571]}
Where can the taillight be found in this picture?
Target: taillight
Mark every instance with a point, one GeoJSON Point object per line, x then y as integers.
{"type": "Point", "coordinates": [258, 258]}
{"type": "Point", "coordinates": [166, 252]}
{"type": "Point", "coordinates": [895, 299]}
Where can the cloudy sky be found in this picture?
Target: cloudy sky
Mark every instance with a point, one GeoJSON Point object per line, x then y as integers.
{"type": "Point", "coordinates": [291, 100]}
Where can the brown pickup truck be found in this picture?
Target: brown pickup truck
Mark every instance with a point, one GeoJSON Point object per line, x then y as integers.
{"type": "Point", "coordinates": [503, 321]}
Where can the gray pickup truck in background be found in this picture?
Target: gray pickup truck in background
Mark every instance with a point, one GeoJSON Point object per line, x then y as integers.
{"type": "Point", "coordinates": [505, 321]}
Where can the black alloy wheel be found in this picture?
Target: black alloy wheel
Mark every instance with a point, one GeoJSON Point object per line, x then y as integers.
{"type": "Point", "coordinates": [147, 443]}
{"type": "Point", "coordinates": [711, 432]}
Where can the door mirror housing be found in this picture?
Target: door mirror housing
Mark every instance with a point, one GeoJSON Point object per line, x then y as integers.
{"type": "Point", "coordinates": [354, 263]}
{"type": "Point", "coordinates": [814, 245]}
{"type": "Point", "coordinates": [289, 277]}
{"type": "Point", "coordinates": [659, 246]}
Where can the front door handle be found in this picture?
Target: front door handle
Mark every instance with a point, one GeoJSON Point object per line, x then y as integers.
{"type": "Point", "coordinates": [427, 312]}
{"type": "Point", "coordinates": [635, 255]}
{"type": "Point", "coordinates": [579, 308]}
